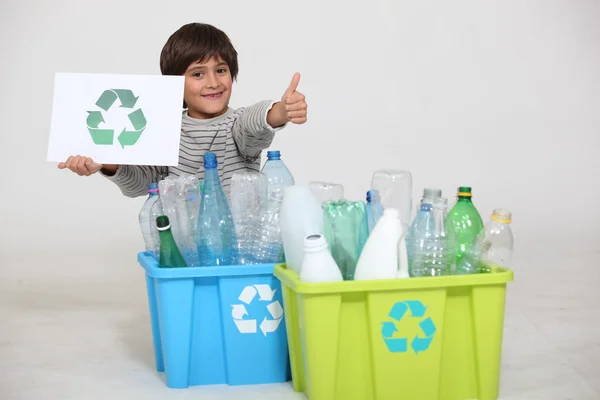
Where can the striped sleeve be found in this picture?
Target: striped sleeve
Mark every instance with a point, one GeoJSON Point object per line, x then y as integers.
{"type": "Point", "coordinates": [251, 132]}
{"type": "Point", "coordinates": [133, 180]}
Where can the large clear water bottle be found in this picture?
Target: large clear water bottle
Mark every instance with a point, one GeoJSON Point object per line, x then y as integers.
{"type": "Point", "coordinates": [268, 248]}
{"type": "Point", "coordinates": [216, 231]}
{"type": "Point", "coordinates": [147, 221]}
{"type": "Point", "coordinates": [278, 175]}
{"type": "Point", "coordinates": [395, 191]}
{"type": "Point", "coordinates": [434, 245]}
{"type": "Point", "coordinates": [498, 232]}
{"type": "Point", "coordinates": [248, 201]}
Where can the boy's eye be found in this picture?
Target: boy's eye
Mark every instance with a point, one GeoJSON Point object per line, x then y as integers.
{"type": "Point", "coordinates": [197, 74]}
{"type": "Point", "coordinates": [222, 70]}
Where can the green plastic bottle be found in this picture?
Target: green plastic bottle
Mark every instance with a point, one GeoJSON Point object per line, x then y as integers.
{"type": "Point", "coordinates": [169, 255]}
{"type": "Point", "coordinates": [465, 220]}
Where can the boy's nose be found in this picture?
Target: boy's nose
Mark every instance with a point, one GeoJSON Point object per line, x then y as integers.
{"type": "Point", "coordinates": [212, 81]}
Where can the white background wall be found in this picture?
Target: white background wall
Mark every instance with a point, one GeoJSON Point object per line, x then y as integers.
{"type": "Point", "coordinates": [503, 96]}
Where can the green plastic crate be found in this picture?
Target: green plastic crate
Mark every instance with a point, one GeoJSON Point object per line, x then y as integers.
{"type": "Point", "coordinates": [432, 338]}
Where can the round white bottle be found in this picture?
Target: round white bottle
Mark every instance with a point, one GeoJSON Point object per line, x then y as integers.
{"type": "Point", "coordinates": [318, 265]}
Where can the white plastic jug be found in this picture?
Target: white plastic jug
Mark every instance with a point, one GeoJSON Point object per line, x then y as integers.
{"type": "Point", "coordinates": [384, 255]}
{"type": "Point", "coordinates": [301, 215]}
{"type": "Point", "coordinates": [318, 265]}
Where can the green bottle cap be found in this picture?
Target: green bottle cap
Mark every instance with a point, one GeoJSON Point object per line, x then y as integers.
{"type": "Point", "coordinates": [464, 191]}
{"type": "Point", "coordinates": [162, 223]}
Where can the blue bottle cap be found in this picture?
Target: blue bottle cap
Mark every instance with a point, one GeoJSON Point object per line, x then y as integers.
{"type": "Point", "coordinates": [273, 154]}
{"type": "Point", "coordinates": [210, 160]}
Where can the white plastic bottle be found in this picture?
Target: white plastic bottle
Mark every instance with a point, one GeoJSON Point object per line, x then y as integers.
{"type": "Point", "coordinates": [318, 265]}
{"type": "Point", "coordinates": [384, 255]}
{"type": "Point", "coordinates": [301, 215]}
{"type": "Point", "coordinates": [498, 232]}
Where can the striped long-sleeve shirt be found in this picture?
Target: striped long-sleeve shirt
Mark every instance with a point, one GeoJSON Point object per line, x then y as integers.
{"type": "Point", "coordinates": [237, 138]}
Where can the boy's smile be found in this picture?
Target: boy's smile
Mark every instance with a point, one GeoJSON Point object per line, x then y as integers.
{"type": "Point", "coordinates": [207, 88]}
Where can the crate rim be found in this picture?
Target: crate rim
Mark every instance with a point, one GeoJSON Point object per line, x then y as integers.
{"type": "Point", "coordinates": [499, 275]}
{"type": "Point", "coordinates": [150, 265]}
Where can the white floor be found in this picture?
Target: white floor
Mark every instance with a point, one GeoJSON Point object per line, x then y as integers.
{"type": "Point", "coordinates": [76, 327]}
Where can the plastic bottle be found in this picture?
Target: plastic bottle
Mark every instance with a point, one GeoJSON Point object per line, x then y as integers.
{"type": "Point", "coordinates": [498, 232]}
{"type": "Point", "coordinates": [374, 209]}
{"type": "Point", "coordinates": [417, 227]}
{"type": "Point", "coordinates": [278, 175]}
{"type": "Point", "coordinates": [192, 206]}
{"type": "Point", "coordinates": [146, 226]}
{"type": "Point", "coordinates": [170, 256]}
{"type": "Point", "coordinates": [395, 191]}
{"type": "Point", "coordinates": [473, 260]}
{"type": "Point", "coordinates": [325, 191]}
{"type": "Point", "coordinates": [433, 245]}
{"type": "Point", "coordinates": [216, 231]}
{"type": "Point", "coordinates": [317, 264]}
{"type": "Point", "coordinates": [384, 255]}
{"type": "Point", "coordinates": [465, 220]}
{"type": "Point", "coordinates": [268, 247]}
{"type": "Point", "coordinates": [248, 201]}
{"type": "Point", "coordinates": [301, 216]}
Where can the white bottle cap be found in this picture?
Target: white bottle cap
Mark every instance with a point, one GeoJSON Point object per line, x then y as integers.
{"type": "Point", "coordinates": [314, 243]}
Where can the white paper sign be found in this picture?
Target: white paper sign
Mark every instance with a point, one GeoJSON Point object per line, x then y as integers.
{"type": "Point", "coordinates": [117, 119]}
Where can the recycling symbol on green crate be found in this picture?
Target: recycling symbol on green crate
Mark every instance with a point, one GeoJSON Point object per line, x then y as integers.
{"type": "Point", "coordinates": [421, 341]}
{"type": "Point", "coordinates": [104, 135]}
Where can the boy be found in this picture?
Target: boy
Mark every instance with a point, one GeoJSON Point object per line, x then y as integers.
{"type": "Point", "coordinates": [208, 60]}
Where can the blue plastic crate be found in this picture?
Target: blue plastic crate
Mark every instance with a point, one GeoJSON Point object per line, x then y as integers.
{"type": "Point", "coordinates": [217, 325]}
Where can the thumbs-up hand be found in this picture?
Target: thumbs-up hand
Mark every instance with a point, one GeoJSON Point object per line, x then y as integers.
{"type": "Point", "coordinates": [294, 102]}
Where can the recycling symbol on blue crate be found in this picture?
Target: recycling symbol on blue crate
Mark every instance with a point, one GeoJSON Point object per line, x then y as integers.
{"type": "Point", "coordinates": [248, 295]}
{"type": "Point", "coordinates": [420, 342]}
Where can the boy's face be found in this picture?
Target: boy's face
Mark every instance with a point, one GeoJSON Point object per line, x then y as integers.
{"type": "Point", "coordinates": [207, 88]}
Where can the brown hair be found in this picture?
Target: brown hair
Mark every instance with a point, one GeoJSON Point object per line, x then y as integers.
{"type": "Point", "coordinates": [196, 42]}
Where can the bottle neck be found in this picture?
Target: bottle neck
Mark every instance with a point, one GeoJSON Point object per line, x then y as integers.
{"type": "Point", "coordinates": [463, 199]}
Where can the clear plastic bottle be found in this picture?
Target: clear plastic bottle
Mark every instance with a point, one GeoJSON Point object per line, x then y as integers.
{"type": "Point", "coordinates": [374, 209]}
{"type": "Point", "coordinates": [498, 232]}
{"type": "Point", "coordinates": [474, 258]}
{"type": "Point", "coordinates": [434, 245]}
{"type": "Point", "coordinates": [217, 243]}
{"type": "Point", "coordinates": [248, 200]}
{"type": "Point", "coordinates": [278, 175]}
{"type": "Point", "coordinates": [145, 221]}
{"type": "Point", "coordinates": [268, 248]}
{"type": "Point", "coordinates": [395, 191]}
{"type": "Point", "coordinates": [417, 228]}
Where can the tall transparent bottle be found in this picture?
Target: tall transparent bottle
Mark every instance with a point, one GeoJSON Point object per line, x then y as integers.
{"type": "Point", "coordinates": [434, 246]}
{"type": "Point", "coordinates": [278, 175]}
{"type": "Point", "coordinates": [465, 220]}
{"type": "Point", "coordinates": [216, 231]}
{"type": "Point", "coordinates": [147, 219]}
{"type": "Point", "coordinates": [170, 256]}
{"type": "Point", "coordinates": [474, 259]}
{"type": "Point", "coordinates": [268, 247]}
{"type": "Point", "coordinates": [418, 226]}
{"type": "Point", "coordinates": [500, 235]}
{"type": "Point", "coordinates": [395, 191]}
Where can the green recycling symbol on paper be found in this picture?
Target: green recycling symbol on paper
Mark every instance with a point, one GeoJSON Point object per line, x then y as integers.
{"type": "Point", "coordinates": [105, 135]}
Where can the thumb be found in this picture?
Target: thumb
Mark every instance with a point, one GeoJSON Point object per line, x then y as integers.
{"type": "Point", "coordinates": [293, 85]}
{"type": "Point", "coordinates": [92, 166]}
